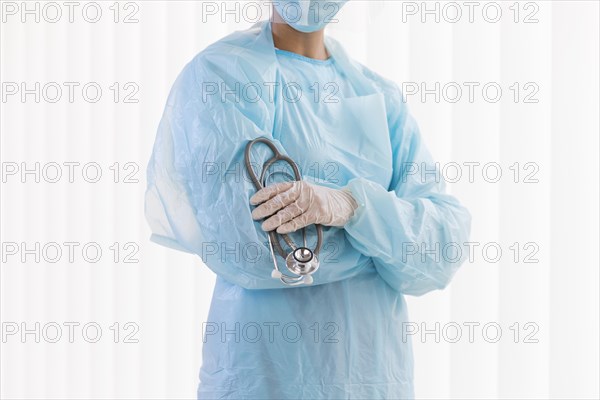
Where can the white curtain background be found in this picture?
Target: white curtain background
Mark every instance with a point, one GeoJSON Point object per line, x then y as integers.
{"type": "Point", "coordinates": [546, 51]}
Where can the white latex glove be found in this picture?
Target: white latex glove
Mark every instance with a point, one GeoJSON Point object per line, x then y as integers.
{"type": "Point", "coordinates": [298, 204]}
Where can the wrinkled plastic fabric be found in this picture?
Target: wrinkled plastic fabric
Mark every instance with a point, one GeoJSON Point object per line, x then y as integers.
{"type": "Point", "coordinates": [344, 336]}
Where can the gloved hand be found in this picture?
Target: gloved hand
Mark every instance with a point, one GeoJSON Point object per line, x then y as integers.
{"type": "Point", "coordinates": [298, 204]}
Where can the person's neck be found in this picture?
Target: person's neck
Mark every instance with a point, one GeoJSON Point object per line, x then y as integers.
{"type": "Point", "coordinates": [311, 45]}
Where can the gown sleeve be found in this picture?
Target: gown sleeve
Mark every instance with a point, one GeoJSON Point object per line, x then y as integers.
{"type": "Point", "coordinates": [413, 230]}
{"type": "Point", "coordinates": [197, 194]}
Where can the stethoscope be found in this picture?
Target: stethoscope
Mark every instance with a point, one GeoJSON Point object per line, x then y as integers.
{"type": "Point", "coordinates": [301, 261]}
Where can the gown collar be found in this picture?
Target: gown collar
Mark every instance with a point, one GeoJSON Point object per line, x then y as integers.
{"type": "Point", "coordinates": [265, 48]}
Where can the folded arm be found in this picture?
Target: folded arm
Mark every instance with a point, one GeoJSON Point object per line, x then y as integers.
{"type": "Point", "coordinates": [413, 230]}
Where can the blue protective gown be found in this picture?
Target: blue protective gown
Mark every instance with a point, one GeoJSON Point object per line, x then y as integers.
{"type": "Point", "coordinates": [343, 124]}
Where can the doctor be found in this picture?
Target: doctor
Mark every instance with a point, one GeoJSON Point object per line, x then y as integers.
{"type": "Point", "coordinates": [362, 159]}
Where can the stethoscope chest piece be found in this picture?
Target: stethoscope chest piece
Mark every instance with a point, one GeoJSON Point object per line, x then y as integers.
{"type": "Point", "coordinates": [302, 261]}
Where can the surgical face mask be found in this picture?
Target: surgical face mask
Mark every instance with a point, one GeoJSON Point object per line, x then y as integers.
{"type": "Point", "coordinates": [308, 15]}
